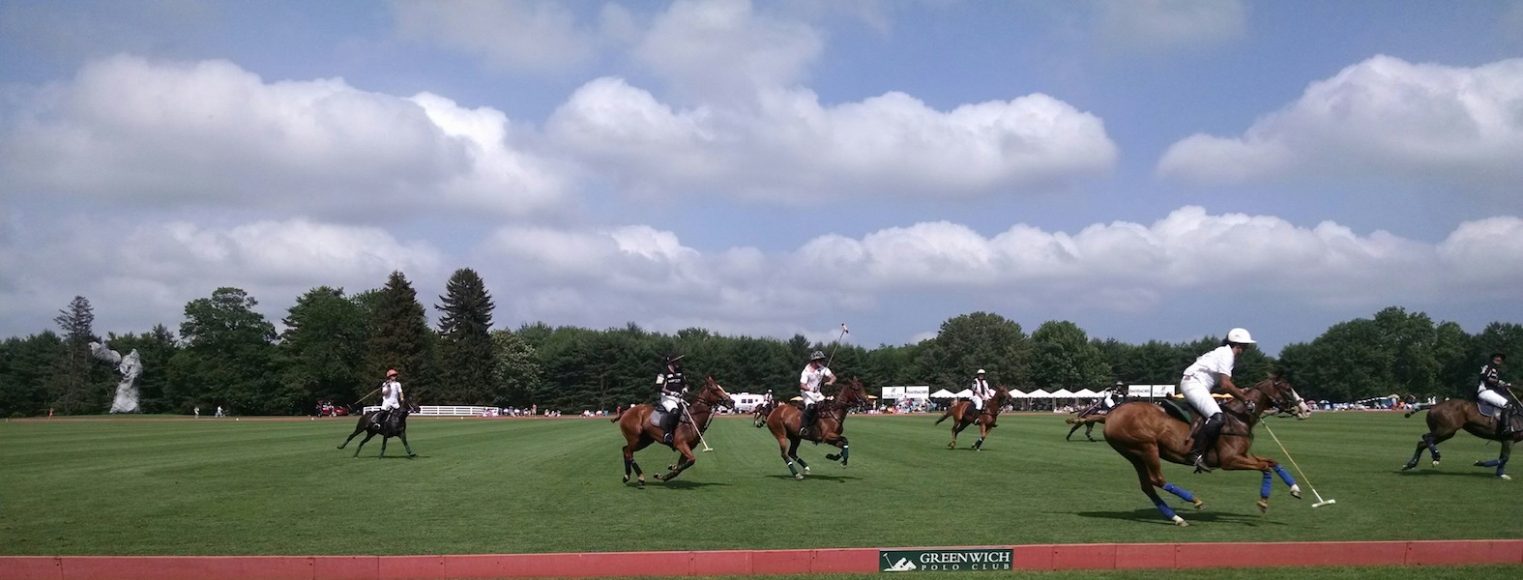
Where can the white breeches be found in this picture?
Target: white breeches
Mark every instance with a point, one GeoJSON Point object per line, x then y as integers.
{"type": "Point", "coordinates": [1199, 396]}
{"type": "Point", "coordinates": [1494, 398]}
{"type": "Point", "coordinates": [391, 405]}
{"type": "Point", "coordinates": [670, 402]}
{"type": "Point", "coordinates": [978, 403]}
{"type": "Point", "coordinates": [811, 397]}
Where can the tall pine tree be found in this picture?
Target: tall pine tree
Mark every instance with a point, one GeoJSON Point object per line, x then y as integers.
{"type": "Point", "coordinates": [400, 339]}
{"type": "Point", "coordinates": [72, 384]}
{"type": "Point", "coordinates": [465, 345]}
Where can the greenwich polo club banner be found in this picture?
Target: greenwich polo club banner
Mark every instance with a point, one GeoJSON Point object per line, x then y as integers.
{"type": "Point", "coordinates": [950, 560]}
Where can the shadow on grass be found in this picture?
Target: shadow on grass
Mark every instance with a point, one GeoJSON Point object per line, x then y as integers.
{"type": "Point", "coordinates": [1486, 472]}
{"type": "Point", "coordinates": [835, 478]}
{"type": "Point", "coordinates": [683, 484]}
{"type": "Point", "coordinates": [1151, 516]}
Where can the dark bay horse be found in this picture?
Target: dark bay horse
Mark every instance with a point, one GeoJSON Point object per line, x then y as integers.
{"type": "Point", "coordinates": [1447, 418]}
{"type": "Point", "coordinates": [1144, 433]}
{"type": "Point", "coordinates": [394, 426]}
{"type": "Point", "coordinates": [759, 414]}
{"type": "Point", "coordinates": [830, 423]}
{"type": "Point", "coordinates": [640, 430]}
{"type": "Point", "coordinates": [965, 414]}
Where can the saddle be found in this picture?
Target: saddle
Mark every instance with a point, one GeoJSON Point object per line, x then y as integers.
{"type": "Point", "coordinates": [1489, 409]}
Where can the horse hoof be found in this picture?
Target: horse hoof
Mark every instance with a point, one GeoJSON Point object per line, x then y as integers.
{"type": "Point", "coordinates": [672, 467]}
{"type": "Point", "coordinates": [626, 479]}
{"type": "Point", "coordinates": [657, 476]}
{"type": "Point", "coordinates": [640, 485]}
{"type": "Point", "coordinates": [1295, 491]}
{"type": "Point", "coordinates": [1200, 505]}
{"type": "Point", "coordinates": [806, 469]}
{"type": "Point", "coordinates": [798, 476]}
{"type": "Point", "coordinates": [1504, 477]}
{"type": "Point", "coordinates": [1479, 464]}
{"type": "Point", "coordinates": [1435, 463]}
{"type": "Point", "coordinates": [952, 445]}
{"type": "Point", "coordinates": [1263, 506]}
{"type": "Point", "coordinates": [1408, 467]}
{"type": "Point", "coordinates": [1179, 521]}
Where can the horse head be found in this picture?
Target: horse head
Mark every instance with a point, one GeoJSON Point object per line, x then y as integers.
{"type": "Point", "coordinates": [1282, 396]}
{"type": "Point", "coordinates": [853, 395]}
{"type": "Point", "coordinates": [714, 395]}
{"type": "Point", "coordinates": [1001, 396]}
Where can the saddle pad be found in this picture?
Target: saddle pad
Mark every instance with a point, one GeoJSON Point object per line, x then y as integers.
{"type": "Point", "coordinates": [1176, 410]}
{"type": "Point", "coordinates": [1489, 409]}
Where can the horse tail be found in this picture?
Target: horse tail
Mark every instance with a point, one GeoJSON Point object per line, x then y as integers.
{"type": "Point", "coordinates": [616, 416]}
{"type": "Point", "coordinates": [944, 416]}
{"type": "Point", "coordinates": [1071, 420]}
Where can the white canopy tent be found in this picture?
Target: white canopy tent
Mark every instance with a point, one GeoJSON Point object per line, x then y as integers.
{"type": "Point", "coordinates": [1039, 394]}
{"type": "Point", "coordinates": [965, 393]}
{"type": "Point", "coordinates": [1086, 394]}
{"type": "Point", "coordinates": [1062, 394]}
{"type": "Point", "coordinates": [942, 394]}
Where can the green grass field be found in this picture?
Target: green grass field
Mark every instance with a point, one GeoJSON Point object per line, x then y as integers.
{"type": "Point", "coordinates": [146, 485]}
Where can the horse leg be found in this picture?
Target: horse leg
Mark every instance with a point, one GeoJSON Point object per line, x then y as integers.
{"type": "Point", "coordinates": [983, 431]}
{"type": "Point", "coordinates": [793, 451]}
{"type": "Point", "coordinates": [357, 448]}
{"type": "Point", "coordinates": [840, 441]}
{"type": "Point", "coordinates": [1150, 475]}
{"type": "Point", "coordinates": [682, 464]}
{"type": "Point", "coordinates": [1501, 461]}
{"type": "Point", "coordinates": [384, 439]}
{"type": "Point", "coordinates": [1260, 464]}
{"type": "Point", "coordinates": [1089, 429]}
{"type": "Point", "coordinates": [1290, 482]}
{"type": "Point", "coordinates": [356, 432]}
{"type": "Point", "coordinates": [1077, 425]}
{"type": "Point", "coordinates": [956, 428]}
{"type": "Point", "coordinates": [784, 451]}
{"type": "Point", "coordinates": [406, 445]}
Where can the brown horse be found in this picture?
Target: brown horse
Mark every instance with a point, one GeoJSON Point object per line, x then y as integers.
{"type": "Point", "coordinates": [640, 430]}
{"type": "Point", "coordinates": [1144, 433]}
{"type": "Point", "coordinates": [1447, 418]}
{"type": "Point", "coordinates": [965, 414]}
{"type": "Point", "coordinates": [830, 423]}
{"type": "Point", "coordinates": [759, 414]}
{"type": "Point", "coordinates": [1087, 420]}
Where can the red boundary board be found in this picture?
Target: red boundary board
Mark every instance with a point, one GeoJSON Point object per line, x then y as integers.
{"type": "Point", "coordinates": [746, 562]}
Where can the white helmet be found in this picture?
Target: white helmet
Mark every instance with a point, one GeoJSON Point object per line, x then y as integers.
{"type": "Point", "coordinates": [1239, 335]}
{"type": "Point", "coordinates": [980, 371]}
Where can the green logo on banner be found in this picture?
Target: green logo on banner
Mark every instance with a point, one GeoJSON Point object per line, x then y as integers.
{"type": "Point", "coordinates": [944, 560]}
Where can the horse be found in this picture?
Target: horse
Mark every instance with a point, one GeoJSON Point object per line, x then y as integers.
{"type": "Point", "coordinates": [830, 418]}
{"type": "Point", "coordinates": [394, 426]}
{"type": "Point", "coordinates": [641, 428]}
{"type": "Point", "coordinates": [1447, 418]}
{"type": "Point", "coordinates": [1144, 433]}
{"type": "Point", "coordinates": [1086, 419]}
{"type": "Point", "coordinates": [759, 414]}
{"type": "Point", "coordinates": [963, 412]}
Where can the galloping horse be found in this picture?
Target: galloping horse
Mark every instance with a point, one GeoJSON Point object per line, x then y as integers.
{"type": "Point", "coordinates": [640, 430]}
{"type": "Point", "coordinates": [394, 426]}
{"type": "Point", "coordinates": [1143, 433]}
{"type": "Point", "coordinates": [965, 415]}
{"type": "Point", "coordinates": [759, 414]}
{"type": "Point", "coordinates": [1086, 419]}
{"type": "Point", "coordinates": [1447, 418]}
{"type": "Point", "coordinates": [830, 423]}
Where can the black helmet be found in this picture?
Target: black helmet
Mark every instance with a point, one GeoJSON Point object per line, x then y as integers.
{"type": "Point", "coordinates": [816, 355]}
{"type": "Point", "coordinates": [1499, 355]}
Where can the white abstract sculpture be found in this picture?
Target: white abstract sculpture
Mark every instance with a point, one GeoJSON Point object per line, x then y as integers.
{"type": "Point", "coordinates": [130, 367]}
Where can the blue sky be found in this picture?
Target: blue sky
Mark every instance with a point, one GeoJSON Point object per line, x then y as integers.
{"type": "Point", "coordinates": [1148, 169]}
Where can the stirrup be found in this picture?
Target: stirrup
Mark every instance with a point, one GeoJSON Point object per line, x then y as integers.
{"type": "Point", "coordinates": [1200, 464]}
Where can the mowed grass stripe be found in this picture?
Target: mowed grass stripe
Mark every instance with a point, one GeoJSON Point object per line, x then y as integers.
{"type": "Point", "coordinates": [145, 486]}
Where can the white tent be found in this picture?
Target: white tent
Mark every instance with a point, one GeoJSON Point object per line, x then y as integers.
{"type": "Point", "coordinates": [1086, 394]}
{"type": "Point", "coordinates": [1063, 394]}
{"type": "Point", "coordinates": [942, 394]}
{"type": "Point", "coordinates": [1017, 394]}
{"type": "Point", "coordinates": [965, 393]}
{"type": "Point", "coordinates": [1039, 394]}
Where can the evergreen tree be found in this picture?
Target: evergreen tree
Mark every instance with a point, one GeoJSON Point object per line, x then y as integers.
{"type": "Point", "coordinates": [465, 342]}
{"type": "Point", "coordinates": [74, 382]}
{"type": "Point", "coordinates": [322, 347]}
{"type": "Point", "coordinates": [25, 365]}
{"type": "Point", "coordinates": [400, 339]}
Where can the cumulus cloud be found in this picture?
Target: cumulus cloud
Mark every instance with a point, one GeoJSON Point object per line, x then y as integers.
{"type": "Point", "coordinates": [1383, 116]}
{"type": "Point", "coordinates": [150, 133]}
{"type": "Point", "coordinates": [516, 35]}
{"type": "Point", "coordinates": [137, 275]}
{"type": "Point", "coordinates": [723, 49]}
{"type": "Point", "coordinates": [1161, 25]}
{"type": "Point", "coordinates": [792, 148]}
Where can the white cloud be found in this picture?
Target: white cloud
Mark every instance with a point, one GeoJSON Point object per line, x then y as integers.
{"type": "Point", "coordinates": [137, 275]}
{"type": "Point", "coordinates": [1383, 116]}
{"type": "Point", "coordinates": [1161, 25]}
{"type": "Point", "coordinates": [792, 148]}
{"type": "Point", "coordinates": [517, 35]}
{"type": "Point", "coordinates": [138, 132]}
{"type": "Point", "coordinates": [722, 49]}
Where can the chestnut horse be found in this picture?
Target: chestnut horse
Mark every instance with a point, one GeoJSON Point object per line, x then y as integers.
{"type": "Point", "coordinates": [394, 426]}
{"type": "Point", "coordinates": [1447, 418]}
{"type": "Point", "coordinates": [1087, 420]}
{"type": "Point", "coordinates": [640, 431]}
{"type": "Point", "coordinates": [1144, 433]}
{"type": "Point", "coordinates": [830, 423]}
{"type": "Point", "coordinates": [964, 414]}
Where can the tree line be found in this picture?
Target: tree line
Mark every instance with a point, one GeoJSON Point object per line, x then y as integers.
{"type": "Point", "coordinates": [336, 346]}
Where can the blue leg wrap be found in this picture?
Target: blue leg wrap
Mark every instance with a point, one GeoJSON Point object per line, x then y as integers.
{"type": "Point", "coordinates": [1163, 507]}
{"type": "Point", "coordinates": [1492, 463]}
{"type": "Point", "coordinates": [1181, 492]}
{"type": "Point", "coordinates": [1264, 487]}
{"type": "Point", "coordinates": [1284, 475]}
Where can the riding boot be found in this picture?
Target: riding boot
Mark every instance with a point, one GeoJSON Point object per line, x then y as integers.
{"type": "Point", "coordinates": [1504, 421]}
{"type": "Point", "coordinates": [669, 425]}
{"type": "Point", "coordinates": [380, 420]}
{"type": "Point", "coordinates": [806, 422]}
{"type": "Point", "coordinates": [1205, 441]}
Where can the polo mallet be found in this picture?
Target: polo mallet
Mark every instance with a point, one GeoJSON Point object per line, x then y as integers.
{"type": "Point", "coordinates": [690, 419]}
{"type": "Point", "coordinates": [844, 332]}
{"type": "Point", "coordinates": [1320, 502]}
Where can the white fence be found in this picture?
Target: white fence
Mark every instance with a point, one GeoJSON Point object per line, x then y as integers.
{"type": "Point", "coordinates": [449, 411]}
